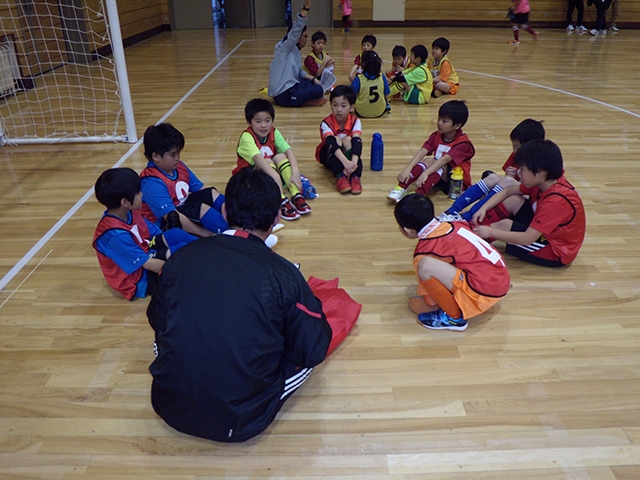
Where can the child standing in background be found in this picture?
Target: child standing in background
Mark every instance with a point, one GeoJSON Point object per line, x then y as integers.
{"type": "Point", "coordinates": [521, 9]}
{"type": "Point", "coordinates": [372, 88]}
{"type": "Point", "coordinates": [445, 77]}
{"type": "Point", "coordinates": [368, 43]}
{"type": "Point", "coordinates": [347, 10]}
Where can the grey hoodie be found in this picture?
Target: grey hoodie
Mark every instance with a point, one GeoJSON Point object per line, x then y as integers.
{"type": "Point", "coordinates": [286, 66]}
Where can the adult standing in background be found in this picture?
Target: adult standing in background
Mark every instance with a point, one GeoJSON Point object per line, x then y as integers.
{"type": "Point", "coordinates": [289, 84]}
{"type": "Point", "coordinates": [615, 10]}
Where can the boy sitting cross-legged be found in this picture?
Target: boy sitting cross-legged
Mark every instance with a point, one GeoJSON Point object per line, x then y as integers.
{"type": "Point", "coordinates": [262, 146]}
{"type": "Point", "coordinates": [131, 250]}
{"type": "Point", "coordinates": [341, 148]}
{"type": "Point", "coordinates": [549, 227]}
{"type": "Point", "coordinates": [459, 274]}
{"type": "Point", "coordinates": [169, 185]}
{"type": "Point", "coordinates": [416, 82]}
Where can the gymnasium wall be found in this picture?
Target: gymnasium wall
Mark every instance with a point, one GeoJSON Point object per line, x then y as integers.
{"type": "Point", "coordinates": [544, 13]}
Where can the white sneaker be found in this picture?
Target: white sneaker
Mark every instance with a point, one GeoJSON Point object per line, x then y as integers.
{"type": "Point", "coordinates": [613, 28]}
{"type": "Point", "coordinates": [277, 227]}
{"type": "Point", "coordinates": [602, 32]}
{"type": "Point", "coordinates": [570, 28]}
{"type": "Point", "coordinates": [271, 241]}
{"type": "Point", "coordinates": [450, 217]}
{"type": "Point", "coordinates": [593, 31]}
{"type": "Point", "coordinates": [581, 28]}
{"type": "Point", "coordinates": [396, 193]}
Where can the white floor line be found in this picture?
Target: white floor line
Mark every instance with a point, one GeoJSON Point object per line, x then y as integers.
{"type": "Point", "coordinates": [65, 218]}
{"type": "Point", "coordinates": [26, 278]}
{"type": "Point", "coordinates": [564, 92]}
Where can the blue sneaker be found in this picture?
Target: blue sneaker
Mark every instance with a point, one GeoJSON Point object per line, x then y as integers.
{"type": "Point", "coordinates": [439, 320]}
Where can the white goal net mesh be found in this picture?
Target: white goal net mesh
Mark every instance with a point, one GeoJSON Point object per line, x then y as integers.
{"type": "Point", "coordinates": [58, 79]}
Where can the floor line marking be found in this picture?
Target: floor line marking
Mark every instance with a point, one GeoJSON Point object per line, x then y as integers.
{"type": "Point", "coordinates": [65, 218]}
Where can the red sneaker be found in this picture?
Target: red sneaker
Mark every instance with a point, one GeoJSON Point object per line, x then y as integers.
{"type": "Point", "coordinates": [300, 204]}
{"type": "Point", "coordinates": [356, 186]}
{"type": "Point", "coordinates": [342, 184]}
{"type": "Point", "coordinates": [287, 211]}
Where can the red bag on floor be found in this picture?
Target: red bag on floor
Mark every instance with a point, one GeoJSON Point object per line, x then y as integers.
{"type": "Point", "coordinates": [341, 310]}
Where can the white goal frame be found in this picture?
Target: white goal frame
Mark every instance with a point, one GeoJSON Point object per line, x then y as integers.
{"type": "Point", "coordinates": [36, 134]}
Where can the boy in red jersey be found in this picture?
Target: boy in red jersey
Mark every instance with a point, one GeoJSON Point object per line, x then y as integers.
{"type": "Point", "coordinates": [341, 147]}
{"type": "Point", "coordinates": [168, 185]}
{"type": "Point", "coordinates": [491, 182]}
{"type": "Point", "coordinates": [548, 228]}
{"type": "Point", "coordinates": [262, 146]}
{"type": "Point", "coordinates": [459, 274]}
{"type": "Point", "coordinates": [131, 250]}
{"type": "Point", "coordinates": [450, 148]}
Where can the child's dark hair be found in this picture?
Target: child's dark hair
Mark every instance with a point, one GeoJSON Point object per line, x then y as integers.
{"type": "Point", "coordinates": [115, 184]}
{"type": "Point", "coordinates": [456, 110]}
{"type": "Point", "coordinates": [371, 64]}
{"type": "Point", "coordinates": [344, 91]}
{"type": "Point", "coordinates": [442, 43]}
{"type": "Point", "coordinates": [421, 52]}
{"type": "Point", "coordinates": [162, 138]}
{"type": "Point", "coordinates": [540, 155]}
{"type": "Point", "coordinates": [319, 35]}
{"type": "Point", "coordinates": [414, 211]}
{"type": "Point", "coordinates": [399, 51]}
{"type": "Point", "coordinates": [369, 39]}
{"type": "Point", "coordinates": [256, 106]}
{"type": "Point", "coordinates": [527, 130]}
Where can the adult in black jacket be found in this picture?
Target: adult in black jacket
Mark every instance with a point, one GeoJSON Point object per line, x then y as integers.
{"type": "Point", "coordinates": [237, 327]}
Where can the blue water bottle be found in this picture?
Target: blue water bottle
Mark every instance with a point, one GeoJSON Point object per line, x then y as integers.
{"type": "Point", "coordinates": [308, 190]}
{"type": "Point", "coordinates": [377, 152]}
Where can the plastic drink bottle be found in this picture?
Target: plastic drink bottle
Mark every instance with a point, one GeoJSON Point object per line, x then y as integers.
{"type": "Point", "coordinates": [377, 152]}
{"type": "Point", "coordinates": [455, 183]}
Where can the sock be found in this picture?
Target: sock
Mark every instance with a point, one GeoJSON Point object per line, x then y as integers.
{"type": "Point", "coordinates": [497, 213]}
{"type": "Point", "coordinates": [442, 296]}
{"type": "Point", "coordinates": [432, 181]}
{"type": "Point", "coordinates": [217, 203]}
{"type": "Point", "coordinates": [284, 169]}
{"type": "Point", "coordinates": [213, 221]}
{"type": "Point", "coordinates": [516, 33]}
{"type": "Point", "coordinates": [527, 28]}
{"type": "Point", "coordinates": [467, 215]}
{"type": "Point", "coordinates": [415, 173]}
{"type": "Point", "coordinates": [472, 194]}
{"type": "Point", "coordinates": [176, 238]}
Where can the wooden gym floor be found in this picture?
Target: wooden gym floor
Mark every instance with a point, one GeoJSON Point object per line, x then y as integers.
{"type": "Point", "coordinates": [545, 385]}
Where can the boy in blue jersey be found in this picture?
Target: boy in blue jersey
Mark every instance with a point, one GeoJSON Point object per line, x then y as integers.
{"type": "Point", "coordinates": [131, 250]}
{"type": "Point", "coordinates": [169, 185]}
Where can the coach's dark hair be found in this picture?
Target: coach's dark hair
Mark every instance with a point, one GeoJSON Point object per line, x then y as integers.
{"type": "Point", "coordinates": [319, 35]}
{"type": "Point", "coordinates": [527, 130]}
{"type": "Point", "coordinates": [421, 52]}
{"type": "Point", "coordinates": [399, 51]}
{"type": "Point", "coordinates": [344, 91]}
{"type": "Point", "coordinates": [442, 43]}
{"type": "Point", "coordinates": [304, 29]}
{"type": "Point", "coordinates": [258, 105]}
{"type": "Point", "coordinates": [115, 184]}
{"type": "Point", "coordinates": [252, 200]}
{"type": "Point", "coordinates": [456, 110]}
{"type": "Point", "coordinates": [414, 211]}
{"type": "Point", "coordinates": [162, 138]}
{"type": "Point", "coordinates": [541, 155]}
{"type": "Point", "coordinates": [371, 64]}
{"type": "Point", "coordinates": [369, 39]}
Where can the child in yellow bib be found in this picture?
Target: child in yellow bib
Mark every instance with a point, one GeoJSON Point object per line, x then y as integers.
{"type": "Point", "coordinates": [372, 88]}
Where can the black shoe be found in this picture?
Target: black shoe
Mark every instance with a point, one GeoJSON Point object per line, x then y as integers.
{"type": "Point", "coordinates": [173, 220]}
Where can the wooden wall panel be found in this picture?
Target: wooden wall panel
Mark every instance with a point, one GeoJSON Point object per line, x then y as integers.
{"type": "Point", "coordinates": [490, 12]}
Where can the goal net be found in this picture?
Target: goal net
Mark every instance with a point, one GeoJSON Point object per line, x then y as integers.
{"type": "Point", "coordinates": [63, 75]}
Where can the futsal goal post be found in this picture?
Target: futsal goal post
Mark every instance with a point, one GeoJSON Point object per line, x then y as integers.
{"type": "Point", "coordinates": [63, 74]}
